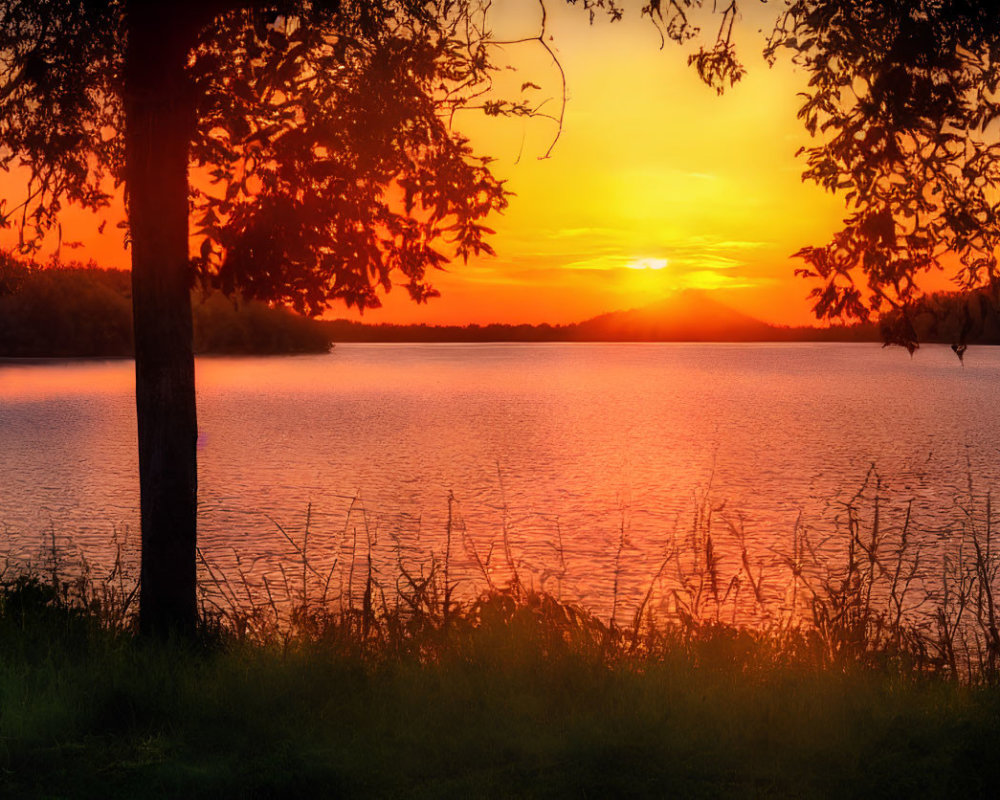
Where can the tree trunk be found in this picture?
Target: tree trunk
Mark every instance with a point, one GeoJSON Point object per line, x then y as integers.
{"type": "Point", "coordinates": [158, 120]}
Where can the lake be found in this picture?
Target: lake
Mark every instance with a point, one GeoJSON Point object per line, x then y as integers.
{"type": "Point", "coordinates": [590, 460]}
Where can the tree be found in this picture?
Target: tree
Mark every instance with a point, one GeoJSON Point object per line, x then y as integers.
{"type": "Point", "coordinates": [903, 97]}
{"type": "Point", "coordinates": [320, 132]}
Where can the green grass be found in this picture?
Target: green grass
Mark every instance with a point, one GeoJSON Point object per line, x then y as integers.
{"type": "Point", "coordinates": [504, 701]}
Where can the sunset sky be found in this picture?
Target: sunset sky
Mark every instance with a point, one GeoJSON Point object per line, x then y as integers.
{"type": "Point", "coordinates": [652, 170]}
{"type": "Point", "coordinates": [655, 185]}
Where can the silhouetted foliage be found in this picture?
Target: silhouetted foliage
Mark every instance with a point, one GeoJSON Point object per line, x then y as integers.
{"type": "Point", "coordinates": [955, 318]}
{"type": "Point", "coordinates": [903, 100]}
{"type": "Point", "coordinates": [65, 312]}
{"type": "Point", "coordinates": [322, 130]}
{"type": "Point", "coordinates": [83, 311]}
{"type": "Point", "coordinates": [249, 327]}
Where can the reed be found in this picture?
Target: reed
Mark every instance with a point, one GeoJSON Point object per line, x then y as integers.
{"type": "Point", "coordinates": [858, 596]}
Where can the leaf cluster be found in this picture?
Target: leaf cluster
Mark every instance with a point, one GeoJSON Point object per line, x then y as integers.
{"type": "Point", "coordinates": [332, 165]}
{"type": "Point", "coordinates": [323, 162]}
{"type": "Point", "coordinates": [60, 108]}
{"type": "Point", "coordinates": [903, 100]}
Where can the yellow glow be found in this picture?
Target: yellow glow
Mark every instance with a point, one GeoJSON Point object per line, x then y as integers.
{"type": "Point", "coordinates": [648, 263]}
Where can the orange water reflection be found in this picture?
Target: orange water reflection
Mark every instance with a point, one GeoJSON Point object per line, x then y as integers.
{"type": "Point", "coordinates": [595, 459]}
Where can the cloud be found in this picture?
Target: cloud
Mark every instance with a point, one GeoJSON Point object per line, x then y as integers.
{"type": "Point", "coordinates": [574, 257]}
{"type": "Point", "coordinates": [571, 233]}
{"type": "Point", "coordinates": [677, 260]}
{"type": "Point", "coordinates": [602, 262]}
{"type": "Point", "coordinates": [708, 279]}
{"type": "Point", "coordinates": [706, 262]}
{"type": "Point", "coordinates": [730, 244]}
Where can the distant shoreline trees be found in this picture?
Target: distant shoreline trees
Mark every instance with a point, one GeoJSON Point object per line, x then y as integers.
{"type": "Point", "coordinates": [75, 310]}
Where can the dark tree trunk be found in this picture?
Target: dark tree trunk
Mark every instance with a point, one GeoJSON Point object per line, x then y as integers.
{"type": "Point", "coordinates": [159, 118]}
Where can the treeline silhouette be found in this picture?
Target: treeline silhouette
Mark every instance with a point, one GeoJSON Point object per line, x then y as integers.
{"type": "Point", "coordinates": [343, 330]}
{"type": "Point", "coordinates": [957, 317]}
{"type": "Point", "coordinates": [692, 316]}
{"type": "Point", "coordinates": [84, 311]}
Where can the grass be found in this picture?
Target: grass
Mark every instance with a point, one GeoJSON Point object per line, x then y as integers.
{"type": "Point", "coordinates": [504, 703]}
{"type": "Point", "coordinates": [368, 685]}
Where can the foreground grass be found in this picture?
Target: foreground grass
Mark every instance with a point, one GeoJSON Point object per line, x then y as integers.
{"type": "Point", "coordinates": [504, 708]}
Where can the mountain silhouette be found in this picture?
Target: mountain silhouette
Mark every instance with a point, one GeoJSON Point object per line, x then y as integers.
{"type": "Point", "coordinates": [688, 316]}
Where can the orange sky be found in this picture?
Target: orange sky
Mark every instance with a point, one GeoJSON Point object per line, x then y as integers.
{"type": "Point", "coordinates": [652, 170]}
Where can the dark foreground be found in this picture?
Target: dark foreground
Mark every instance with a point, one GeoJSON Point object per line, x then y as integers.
{"type": "Point", "coordinates": [513, 697]}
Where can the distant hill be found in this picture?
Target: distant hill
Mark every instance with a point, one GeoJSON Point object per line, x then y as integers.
{"type": "Point", "coordinates": [689, 316]}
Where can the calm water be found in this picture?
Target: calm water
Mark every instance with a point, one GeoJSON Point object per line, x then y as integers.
{"type": "Point", "coordinates": [578, 442]}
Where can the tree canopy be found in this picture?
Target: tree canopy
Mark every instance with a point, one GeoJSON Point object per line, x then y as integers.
{"type": "Point", "coordinates": [322, 158]}
{"type": "Point", "coordinates": [903, 101]}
